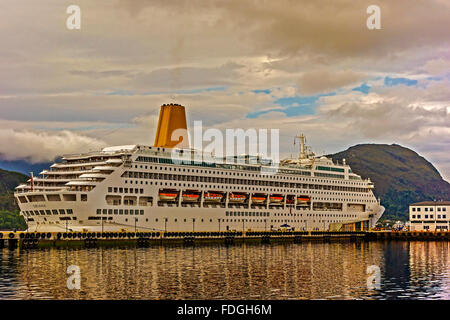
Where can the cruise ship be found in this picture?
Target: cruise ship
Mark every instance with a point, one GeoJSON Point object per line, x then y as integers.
{"type": "Point", "coordinates": [138, 187]}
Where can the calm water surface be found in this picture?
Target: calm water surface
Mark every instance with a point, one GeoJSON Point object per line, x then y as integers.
{"type": "Point", "coordinates": [409, 270]}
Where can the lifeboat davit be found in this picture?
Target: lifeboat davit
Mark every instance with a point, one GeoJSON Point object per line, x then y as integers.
{"type": "Point", "coordinates": [290, 199]}
{"type": "Point", "coordinates": [213, 197]}
{"type": "Point", "coordinates": [190, 197]}
{"type": "Point", "coordinates": [303, 199]}
{"type": "Point", "coordinates": [236, 198]}
{"type": "Point", "coordinates": [165, 195]}
{"type": "Point", "coordinates": [257, 199]}
{"type": "Point", "coordinates": [276, 199]}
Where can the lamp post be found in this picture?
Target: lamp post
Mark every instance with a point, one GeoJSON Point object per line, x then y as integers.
{"type": "Point", "coordinates": [165, 224]}
{"type": "Point", "coordinates": [193, 224]}
{"type": "Point", "coordinates": [135, 221]}
{"type": "Point", "coordinates": [219, 224]}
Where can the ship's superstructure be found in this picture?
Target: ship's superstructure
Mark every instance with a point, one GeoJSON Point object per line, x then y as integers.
{"type": "Point", "coordinates": [138, 187]}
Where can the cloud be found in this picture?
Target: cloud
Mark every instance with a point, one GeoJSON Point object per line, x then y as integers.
{"type": "Point", "coordinates": [188, 77]}
{"type": "Point", "coordinates": [107, 80]}
{"type": "Point", "coordinates": [437, 66]}
{"type": "Point", "coordinates": [43, 146]}
{"type": "Point", "coordinates": [323, 81]}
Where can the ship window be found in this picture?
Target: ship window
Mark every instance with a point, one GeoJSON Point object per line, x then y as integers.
{"type": "Point", "coordinates": [121, 211]}
{"type": "Point", "coordinates": [110, 188]}
{"type": "Point", "coordinates": [141, 212]}
{"type": "Point", "coordinates": [126, 211]}
{"type": "Point", "coordinates": [69, 197]}
{"type": "Point", "coordinates": [84, 197]}
{"type": "Point", "coordinates": [105, 211]}
{"type": "Point", "coordinates": [53, 197]}
{"type": "Point", "coordinates": [55, 211]}
{"type": "Point", "coordinates": [116, 211]}
{"type": "Point", "coordinates": [70, 211]}
{"type": "Point", "coordinates": [36, 198]}
{"type": "Point", "coordinates": [62, 211]}
{"type": "Point", "coordinates": [110, 211]}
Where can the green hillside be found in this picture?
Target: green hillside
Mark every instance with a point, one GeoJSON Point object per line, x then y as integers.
{"type": "Point", "coordinates": [9, 212]}
{"type": "Point", "coordinates": [400, 175]}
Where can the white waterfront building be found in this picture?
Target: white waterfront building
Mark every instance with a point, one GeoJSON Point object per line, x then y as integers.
{"type": "Point", "coordinates": [430, 216]}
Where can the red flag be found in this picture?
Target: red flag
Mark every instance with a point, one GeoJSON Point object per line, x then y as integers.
{"type": "Point", "coordinates": [31, 181]}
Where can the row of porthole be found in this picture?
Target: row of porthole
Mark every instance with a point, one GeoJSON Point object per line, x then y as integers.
{"type": "Point", "coordinates": [239, 174]}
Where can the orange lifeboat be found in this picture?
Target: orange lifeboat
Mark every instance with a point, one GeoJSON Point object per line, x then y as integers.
{"type": "Point", "coordinates": [237, 198]}
{"type": "Point", "coordinates": [190, 196]}
{"type": "Point", "coordinates": [276, 199]}
{"type": "Point", "coordinates": [213, 197]}
{"type": "Point", "coordinates": [167, 195]}
{"type": "Point", "coordinates": [303, 200]}
{"type": "Point", "coordinates": [259, 199]}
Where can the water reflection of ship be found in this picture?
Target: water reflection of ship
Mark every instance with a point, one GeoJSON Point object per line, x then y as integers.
{"type": "Point", "coordinates": [309, 270]}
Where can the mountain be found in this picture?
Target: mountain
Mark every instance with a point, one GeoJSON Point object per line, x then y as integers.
{"type": "Point", "coordinates": [400, 175]}
{"type": "Point", "coordinates": [24, 166]}
{"type": "Point", "coordinates": [9, 212]}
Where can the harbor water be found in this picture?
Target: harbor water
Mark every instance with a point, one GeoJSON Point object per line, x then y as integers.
{"type": "Point", "coordinates": [408, 270]}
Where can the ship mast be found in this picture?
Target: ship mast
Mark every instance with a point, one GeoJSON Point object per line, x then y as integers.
{"type": "Point", "coordinates": [302, 145]}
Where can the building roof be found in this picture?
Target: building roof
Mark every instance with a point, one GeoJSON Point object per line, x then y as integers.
{"type": "Point", "coordinates": [431, 203]}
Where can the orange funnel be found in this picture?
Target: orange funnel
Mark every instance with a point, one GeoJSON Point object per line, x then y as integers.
{"type": "Point", "coordinates": [172, 128]}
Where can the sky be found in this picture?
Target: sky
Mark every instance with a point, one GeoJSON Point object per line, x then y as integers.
{"type": "Point", "coordinates": [303, 66]}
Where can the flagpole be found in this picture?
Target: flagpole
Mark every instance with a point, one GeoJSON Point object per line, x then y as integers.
{"type": "Point", "coordinates": [31, 181]}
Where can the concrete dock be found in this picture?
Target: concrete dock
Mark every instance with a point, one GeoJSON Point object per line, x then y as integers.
{"type": "Point", "coordinates": [22, 239]}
